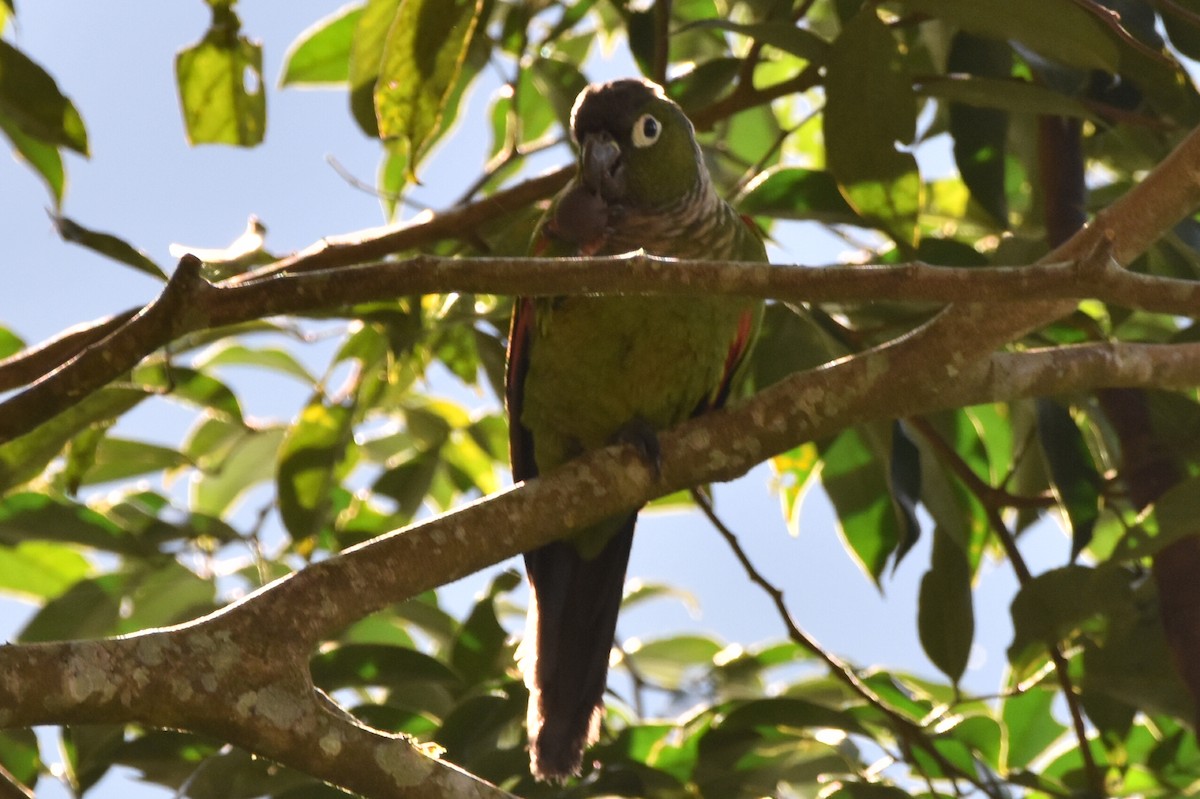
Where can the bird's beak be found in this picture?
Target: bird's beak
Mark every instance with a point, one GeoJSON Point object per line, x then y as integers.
{"type": "Point", "coordinates": [601, 166]}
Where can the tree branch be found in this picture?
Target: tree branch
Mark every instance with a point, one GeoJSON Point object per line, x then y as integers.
{"type": "Point", "coordinates": [207, 306]}
{"type": "Point", "coordinates": [223, 676]}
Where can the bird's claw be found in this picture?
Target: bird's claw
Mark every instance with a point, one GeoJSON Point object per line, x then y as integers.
{"type": "Point", "coordinates": [639, 434]}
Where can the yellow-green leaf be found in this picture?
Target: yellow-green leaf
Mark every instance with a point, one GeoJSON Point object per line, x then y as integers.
{"type": "Point", "coordinates": [220, 82]}
{"type": "Point", "coordinates": [422, 59]}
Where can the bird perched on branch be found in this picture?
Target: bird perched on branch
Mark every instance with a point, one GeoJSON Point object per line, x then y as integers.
{"type": "Point", "coordinates": [584, 372]}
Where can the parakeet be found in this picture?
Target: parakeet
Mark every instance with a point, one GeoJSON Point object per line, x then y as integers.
{"type": "Point", "coordinates": [584, 372]}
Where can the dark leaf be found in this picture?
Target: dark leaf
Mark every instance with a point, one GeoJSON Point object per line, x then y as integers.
{"type": "Point", "coordinates": [480, 650]}
{"type": "Point", "coordinates": [904, 480]}
{"type": "Point", "coordinates": [1075, 479]}
{"type": "Point", "coordinates": [1060, 30]}
{"type": "Point", "coordinates": [108, 245]}
{"type": "Point", "coordinates": [855, 478]}
{"type": "Point", "coordinates": [31, 102]}
{"type": "Point", "coordinates": [783, 35]}
{"type": "Point", "coordinates": [981, 134]}
{"type": "Point", "coordinates": [797, 193]}
{"type": "Point", "coordinates": [945, 613]}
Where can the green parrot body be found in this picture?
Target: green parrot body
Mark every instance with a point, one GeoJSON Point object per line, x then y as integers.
{"type": "Point", "coordinates": [584, 372]}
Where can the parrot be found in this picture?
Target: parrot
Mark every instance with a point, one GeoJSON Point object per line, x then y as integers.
{"type": "Point", "coordinates": [584, 372]}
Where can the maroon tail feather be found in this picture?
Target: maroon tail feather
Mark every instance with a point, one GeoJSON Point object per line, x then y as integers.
{"type": "Point", "coordinates": [572, 621]}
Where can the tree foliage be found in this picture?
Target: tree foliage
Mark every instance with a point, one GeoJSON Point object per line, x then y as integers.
{"type": "Point", "coordinates": [985, 364]}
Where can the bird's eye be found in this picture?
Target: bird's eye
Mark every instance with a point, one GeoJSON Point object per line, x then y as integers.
{"type": "Point", "coordinates": [645, 131]}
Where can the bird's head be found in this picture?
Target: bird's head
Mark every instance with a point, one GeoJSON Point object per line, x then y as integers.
{"type": "Point", "coordinates": [636, 146]}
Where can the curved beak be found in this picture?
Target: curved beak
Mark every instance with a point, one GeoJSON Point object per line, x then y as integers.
{"type": "Point", "coordinates": [600, 165]}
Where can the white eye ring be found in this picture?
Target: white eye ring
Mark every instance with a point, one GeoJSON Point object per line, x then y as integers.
{"type": "Point", "coordinates": [645, 131]}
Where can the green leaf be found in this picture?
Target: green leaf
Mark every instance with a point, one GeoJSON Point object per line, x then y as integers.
{"type": "Point", "coordinates": [31, 102]}
{"type": "Point", "coordinates": [784, 36]}
{"type": "Point", "coordinates": [480, 649]}
{"type": "Point", "coordinates": [797, 193]}
{"type": "Point", "coordinates": [1061, 30]}
{"type": "Point", "coordinates": [426, 47]}
{"type": "Point", "coordinates": [667, 661]}
{"type": "Point", "coordinates": [191, 386]}
{"type": "Point", "coordinates": [314, 446]}
{"type": "Point", "coordinates": [1003, 94]}
{"type": "Point", "coordinates": [249, 460]}
{"type": "Point", "coordinates": [108, 245]}
{"type": "Point", "coordinates": [89, 609]}
{"type": "Point", "coordinates": [869, 107]}
{"type": "Point", "coordinates": [162, 594]}
{"type": "Point", "coordinates": [1075, 479]}
{"type": "Point", "coordinates": [366, 56]}
{"type": "Point", "coordinates": [705, 83]}
{"type": "Point", "coordinates": [1058, 603]}
{"type": "Point", "coordinates": [40, 569]}
{"type": "Point", "coordinates": [24, 457]}
{"type": "Point", "coordinates": [220, 82]}
{"type": "Point", "coordinates": [1029, 721]}
{"type": "Point", "coordinates": [89, 751]}
{"type": "Point", "coordinates": [364, 665]}
{"type": "Point", "coordinates": [122, 458]}
{"type": "Point", "coordinates": [788, 711]}
{"type": "Point", "coordinates": [867, 790]}
{"type": "Point", "coordinates": [856, 481]}
{"type": "Point", "coordinates": [234, 353]}
{"type": "Point", "coordinates": [28, 516]}
{"type": "Point", "coordinates": [409, 482]}
{"type": "Point", "coordinates": [321, 54]}
{"type": "Point", "coordinates": [945, 614]}
{"type": "Point", "coordinates": [20, 756]}
{"type": "Point", "coordinates": [981, 134]}
{"type": "Point", "coordinates": [558, 83]}
{"type": "Point", "coordinates": [45, 159]}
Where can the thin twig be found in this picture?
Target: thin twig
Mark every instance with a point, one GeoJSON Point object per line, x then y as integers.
{"type": "Point", "coordinates": [984, 493]}
{"type": "Point", "coordinates": [908, 730]}
{"type": "Point", "coordinates": [990, 496]}
{"type": "Point", "coordinates": [662, 40]}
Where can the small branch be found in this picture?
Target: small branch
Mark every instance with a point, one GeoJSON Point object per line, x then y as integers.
{"type": "Point", "coordinates": [990, 496]}
{"type": "Point", "coordinates": [985, 493]}
{"type": "Point", "coordinates": [662, 41]}
{"type": "Point", "coordinates": [909, 731]}
{"type": "Point", "coordinates": [205, 306]}
{"type": "Point", "coordinates": [1095, 777]}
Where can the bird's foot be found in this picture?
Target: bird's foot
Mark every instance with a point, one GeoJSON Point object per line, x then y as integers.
{"type": "Point", "coordinates": [639, 434]}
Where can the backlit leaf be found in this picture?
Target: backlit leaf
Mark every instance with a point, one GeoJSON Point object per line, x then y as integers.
{"type": "Point", "coordinates": [312, 449]}
{"type": "Point", "coordinates": [220, 82]}
{"type": "Point", "coordinates": [321, 54]}
{"type": "Point", "coordinates": [422, 60]}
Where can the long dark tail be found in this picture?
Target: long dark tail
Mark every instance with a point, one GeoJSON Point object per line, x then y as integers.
{"type": "Point", "coordinates": [573, 609]}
